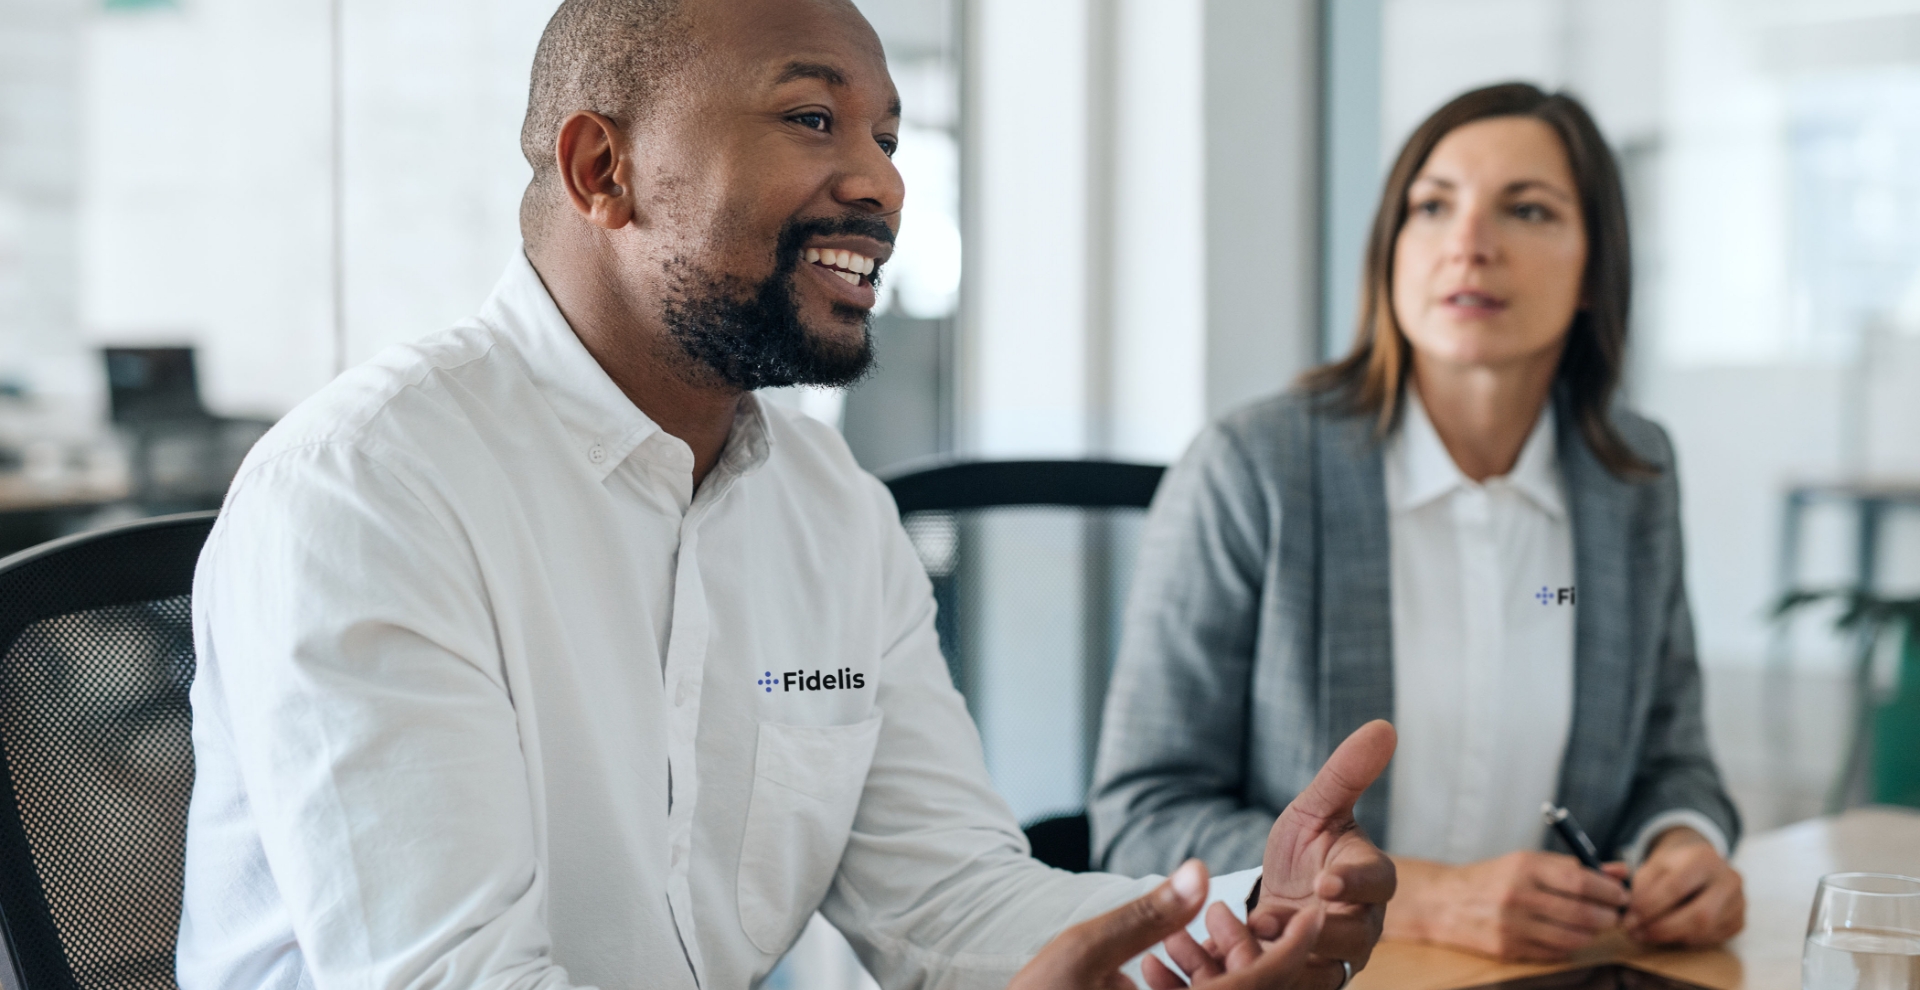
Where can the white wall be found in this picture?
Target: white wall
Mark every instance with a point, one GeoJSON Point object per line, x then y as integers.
{"type": "Point", "coordinates": [1194, 176]}
{"type": "Point", "coordinates": [40, 153]}
{"type": "Point", "coordinates": [1262, 185]}
{"type": "Point", "coordinates": [204, 216]}
{"type": "Point", "coordinates": [1158, 305]}
{"type": "Point", "coordinates": [437, 90]}
{"type": "Point", "coordinates": [1025, 346]}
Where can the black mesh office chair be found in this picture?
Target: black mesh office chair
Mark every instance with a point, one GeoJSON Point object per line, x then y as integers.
{"type": "Point", "coordinates": [96, 759]}
{"type": "Point", "coordinates": [1029, 561]}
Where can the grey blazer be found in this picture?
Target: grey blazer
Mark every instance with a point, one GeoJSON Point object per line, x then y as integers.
{"type": "Point", "coordinates": [1258, 634]}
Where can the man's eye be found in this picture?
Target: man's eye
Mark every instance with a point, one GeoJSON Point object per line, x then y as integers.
{"type": "Point", "coordinates": [889, 146]}
{"type": "Point", "coordinates": [811, 121]}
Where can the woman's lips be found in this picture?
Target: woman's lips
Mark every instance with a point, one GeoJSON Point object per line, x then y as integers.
{"type": "Point", "coordinates": [1470, 302]}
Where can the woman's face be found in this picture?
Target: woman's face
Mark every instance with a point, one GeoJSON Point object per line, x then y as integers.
{"type": "Point", "coordinates": [1488, 267]}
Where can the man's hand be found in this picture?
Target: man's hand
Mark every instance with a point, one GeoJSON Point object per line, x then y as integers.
{"type": "Point", "coordinates": [1685, 893]}
{"type": "Point", "coordinates": [1533, 906]}
{"type": "Point", "coordinates": [1089, 955]}
{"type": "Point", "coordinates": [1317, 857]}
{"type": "Point", "coordinates": [1231, 950]}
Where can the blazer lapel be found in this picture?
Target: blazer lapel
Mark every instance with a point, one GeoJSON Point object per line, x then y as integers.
{"type": "Point", "coordinates": [1602, 509]}
{"type": "Point", "coordinates": [1356, 616]}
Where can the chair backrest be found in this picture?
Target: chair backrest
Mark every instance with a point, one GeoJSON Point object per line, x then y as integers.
{"type": "Point", "coordinates": [96, 754]}
{"type": "Point", "coordinates": [1030, 562]}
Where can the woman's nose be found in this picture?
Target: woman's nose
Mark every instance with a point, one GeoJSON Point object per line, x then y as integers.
{"type": "Point", "coordinates": [1472, 238]}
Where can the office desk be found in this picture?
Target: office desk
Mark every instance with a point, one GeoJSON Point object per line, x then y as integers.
{"type": "Point", "coordinates": [1781, 869]}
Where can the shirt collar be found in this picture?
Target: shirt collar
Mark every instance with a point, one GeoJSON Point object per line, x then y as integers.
{"type": "Point", "coordinates": [606, 427]}
{"type": "Point", "coordinates": [1419, 469]}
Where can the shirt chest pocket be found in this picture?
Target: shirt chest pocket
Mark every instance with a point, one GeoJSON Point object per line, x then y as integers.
{"type": "Point", "coordinates": [807, 782]}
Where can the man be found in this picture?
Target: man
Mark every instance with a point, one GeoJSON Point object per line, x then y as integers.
{"type": "Point", "coordinates": [540, 654]}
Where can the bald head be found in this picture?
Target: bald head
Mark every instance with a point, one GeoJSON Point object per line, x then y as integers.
{"type": "Point", "coordinates": [609, 56]}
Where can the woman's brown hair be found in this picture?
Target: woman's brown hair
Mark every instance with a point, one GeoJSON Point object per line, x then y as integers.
{"type": "Point", "coordinates": [1369, 380]}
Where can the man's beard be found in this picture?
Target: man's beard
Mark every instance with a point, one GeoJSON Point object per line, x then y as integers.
{"type": "Point", "coordinates": [750, 335]}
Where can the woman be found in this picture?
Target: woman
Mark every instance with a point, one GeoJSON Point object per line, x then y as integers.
{"type": "Point", "coordinates": [1452, 527]}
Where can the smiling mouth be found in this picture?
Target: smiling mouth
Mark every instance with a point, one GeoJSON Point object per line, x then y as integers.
{"type": "Point", "coordinates": [852, 267]}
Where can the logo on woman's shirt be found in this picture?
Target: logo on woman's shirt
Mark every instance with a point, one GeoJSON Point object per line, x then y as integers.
{"type": "Point", "coordinates": [1553, 596]}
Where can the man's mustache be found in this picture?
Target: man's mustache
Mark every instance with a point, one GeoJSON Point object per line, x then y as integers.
{"type": "Point", "coordinates": [797, 232]}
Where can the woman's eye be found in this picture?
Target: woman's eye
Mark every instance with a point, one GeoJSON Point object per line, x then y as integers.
{"type": "Point", "coordinates": [1532, 212]}
{"type": "Point", "coordinates": [811, 121]}
{"type": "Point", "coordinates": [1428, 207]}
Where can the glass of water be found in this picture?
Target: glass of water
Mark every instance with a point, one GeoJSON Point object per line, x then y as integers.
{"type": "Point", "coordinates": [1864, 934]}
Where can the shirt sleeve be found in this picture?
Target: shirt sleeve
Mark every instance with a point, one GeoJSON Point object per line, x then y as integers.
{"type": "Point", "coordinates": [936, 886]}
{"type": "Point", "coordinates": [1677, 818]}
{"type": "Point", "coordinates": [371, 728]}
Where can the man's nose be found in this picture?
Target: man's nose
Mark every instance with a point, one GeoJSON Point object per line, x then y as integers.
{"type": "Point", "coordinates": [869, 181]}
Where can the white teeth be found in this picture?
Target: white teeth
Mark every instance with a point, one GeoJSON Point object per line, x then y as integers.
{"type": "Point", "coordinates": [850, 277]}
{"type": "Point", "coordinates": [849, 263]}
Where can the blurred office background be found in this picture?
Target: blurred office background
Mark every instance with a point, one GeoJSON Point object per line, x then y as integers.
{"type": "Point", "coordinates": [1124, 218]}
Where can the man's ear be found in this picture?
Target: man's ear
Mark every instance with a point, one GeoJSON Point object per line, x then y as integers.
{"type": "Point", "coordinates": [594, 169]}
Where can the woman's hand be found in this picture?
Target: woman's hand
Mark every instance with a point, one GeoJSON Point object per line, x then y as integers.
{"type": "Point", "coordinates": [1089, 955]}
{"type": "Point", "coordinates": [1534, 906]}
{"type": "Point", "coordinates": [1685, 893]}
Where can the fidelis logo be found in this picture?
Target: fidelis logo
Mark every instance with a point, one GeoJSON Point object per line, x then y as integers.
{"type": "Point", "coordinates": [813, 680]}
{"type": "Point", "coordinates": [1553, 596]}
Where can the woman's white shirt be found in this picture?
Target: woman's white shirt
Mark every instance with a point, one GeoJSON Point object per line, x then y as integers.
{"type": "Point", "coordinates": [1482, 581]}
{"type": "Point", "coordinates": [1483, 606]}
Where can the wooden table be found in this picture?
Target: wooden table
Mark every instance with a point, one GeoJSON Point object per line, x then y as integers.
{"type": "Point", "coordinates": [1781, 868]}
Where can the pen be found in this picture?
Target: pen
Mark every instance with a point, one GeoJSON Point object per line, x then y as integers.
{"type": "Point", "coordinates": [1575, 837]}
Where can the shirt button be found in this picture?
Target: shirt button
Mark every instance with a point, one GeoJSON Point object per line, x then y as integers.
{"type": "Point", "coordinates": [682, 693]}
{"type": "Point", "coordinates": [596, 453]}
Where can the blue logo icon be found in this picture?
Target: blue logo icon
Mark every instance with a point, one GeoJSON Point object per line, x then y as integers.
{"type": "Point", "coordinates": [768, 681]}
{"type": "Point", "coordinates": [1544, 596]}
{"type": "Point", "coordinates": [1553, 596]}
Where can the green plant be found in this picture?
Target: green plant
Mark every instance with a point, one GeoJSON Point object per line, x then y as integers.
{"type": "Point", "coordinates": [1889, 726]}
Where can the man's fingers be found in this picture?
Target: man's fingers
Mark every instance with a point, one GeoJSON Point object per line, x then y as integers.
{"type": "Point", "coordinates": [1101, 945]}
{"type": "Point", "coordinates": [1347, 774]}
{"type": "Point", "coordinates": [1231, 940]}
{"type": "Point", "coordinates": [1159, 977]}
{"type": "Point", "coordinates": [1359, 874]}
{"type": "Point", "coordinates": [1281, 960]}
{"type": "Point", "coordinates": [1198, 961]}
{"type": "Point", "coordinates": [1349, 937]}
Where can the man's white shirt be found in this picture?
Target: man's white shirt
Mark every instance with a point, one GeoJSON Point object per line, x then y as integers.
{"type": "Point", "coordinates": [490, 696]}
{"type": "Point", "coordinates": [1482, 585]}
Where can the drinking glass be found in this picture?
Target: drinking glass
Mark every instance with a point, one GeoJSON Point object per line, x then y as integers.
{"type": "Point", "coordinates": [1864, 934]}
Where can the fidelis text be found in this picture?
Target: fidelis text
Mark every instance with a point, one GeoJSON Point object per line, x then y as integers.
{"type": "Point", "coordinates": [839, 680]}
